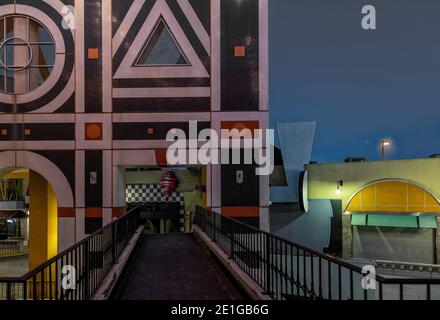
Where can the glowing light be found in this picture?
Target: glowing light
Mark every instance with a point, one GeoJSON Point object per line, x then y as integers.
{"type": "Point", "coordinates": [339, 187]}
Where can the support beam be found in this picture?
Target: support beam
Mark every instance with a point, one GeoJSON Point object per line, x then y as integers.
{"type": "Point", "coordinates": [43, 221]}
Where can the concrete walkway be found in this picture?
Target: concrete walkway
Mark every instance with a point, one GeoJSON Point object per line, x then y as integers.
{"type": "Point", "coordinates": [174, 267]}
{"type": "Point", "coordinates": [13, 266]}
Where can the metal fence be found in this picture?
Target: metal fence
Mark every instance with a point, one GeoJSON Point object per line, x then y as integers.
{"type": "Point", "coordinates": [11, 247]}
{"type": "Point", "coordinates": [286, 270]}
{"type": "Point", "coordinates": [78, 272]}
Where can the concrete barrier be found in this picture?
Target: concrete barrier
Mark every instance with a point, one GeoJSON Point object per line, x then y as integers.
{"type": "Point", "coordinates": [109, 283]}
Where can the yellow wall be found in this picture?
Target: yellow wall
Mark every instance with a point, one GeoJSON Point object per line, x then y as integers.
{"type": "Point", "coordinates": [393, 196]}
{"type": "Point", "coordinates": [323, 178]}
{"type": "Point", "coordinates": [43, 221]}
{"type": "Point", "coordinates": [17, 174]}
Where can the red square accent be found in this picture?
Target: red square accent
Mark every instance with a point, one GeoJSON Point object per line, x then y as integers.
{"type": "Point", "coordinates": [240, 51]}
{"type": "Point", "coordinates": [93, 131]}
{"type": "Point", "coordinates": [93, 53]}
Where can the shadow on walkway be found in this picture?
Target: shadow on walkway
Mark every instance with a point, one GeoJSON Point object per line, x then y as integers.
{"type": "Point", "coordinates": [174, 267]}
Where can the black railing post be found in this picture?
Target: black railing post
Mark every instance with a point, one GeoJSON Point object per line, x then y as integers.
{"type": "Point", "coordinates": [231, 241]}
{"type": "Point", "coordinates": [231, 246]}
{"type": "Point", "coordinates": [87, 271]}
{"type": "Point", "coordinates": [214, 227]}
{"type": "Point", "coordinates": [268, 267]}
{"type": "Point", "coordinates": [8, 291]}
{"type": "Point", "coordinates": [113, 243]}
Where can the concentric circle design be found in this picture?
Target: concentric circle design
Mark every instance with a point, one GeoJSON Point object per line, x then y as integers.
{"type": "Point", "coordinates": [3, 46]}
{"type": "Point", "coordinates": [58, 87]}
{"type": "Point", "coordinates": [27, 54]}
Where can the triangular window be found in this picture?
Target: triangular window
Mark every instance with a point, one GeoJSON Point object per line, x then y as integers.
{"type": "Point", "coordinates": [161, 49]}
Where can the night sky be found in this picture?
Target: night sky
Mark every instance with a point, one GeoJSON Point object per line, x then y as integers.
{"type": "Point", "coordinates": [359, 86]}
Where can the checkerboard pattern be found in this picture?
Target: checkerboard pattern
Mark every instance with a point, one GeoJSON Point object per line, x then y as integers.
{"type": "Point", "coordinates": [136, 193]}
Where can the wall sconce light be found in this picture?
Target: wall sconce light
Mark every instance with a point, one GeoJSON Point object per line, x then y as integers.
{"type": "Point", "coordinates": [339, 186]}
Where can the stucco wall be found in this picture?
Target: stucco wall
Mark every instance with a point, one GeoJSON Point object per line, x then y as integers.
{"type": "Point", "coordinates": [310, 229]}
{"type": "Point", "coordinates": [323, 178]}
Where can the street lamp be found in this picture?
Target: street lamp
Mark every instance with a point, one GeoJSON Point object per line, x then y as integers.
{"type": "Point", "coordinates": [384, 144]}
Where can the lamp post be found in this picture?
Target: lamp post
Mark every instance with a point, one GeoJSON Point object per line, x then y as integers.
{"type": "Point", "coordinates": [383, 144]}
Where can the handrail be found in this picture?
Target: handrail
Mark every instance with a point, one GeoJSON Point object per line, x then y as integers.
{"type": "Point", "coordinates": [285, 269]}
{"type": "Point", "coordinates": [76, 245]}
{"type": "Point", "coordinates": [299, 246]}
{"type": "Point", "coordinates": [406, 280]}
{"type": "Point", "coordinates": [91, 260]}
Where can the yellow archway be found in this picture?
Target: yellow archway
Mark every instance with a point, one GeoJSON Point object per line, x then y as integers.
{"type": "Point", "coordinates": [393, 196]}
{"type": "Point", "coordinates": [42, 225]}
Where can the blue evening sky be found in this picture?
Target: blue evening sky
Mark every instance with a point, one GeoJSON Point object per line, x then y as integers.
{"type": "Point", "coordinates": [358, 85]}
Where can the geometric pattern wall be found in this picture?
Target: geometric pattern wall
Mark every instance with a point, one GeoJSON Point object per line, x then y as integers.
{"type": "Point", "coordinates": [99, 111]}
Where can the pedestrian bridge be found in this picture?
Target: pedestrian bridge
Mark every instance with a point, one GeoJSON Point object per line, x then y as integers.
{"type": "Point", "coordinates": [222, 259]}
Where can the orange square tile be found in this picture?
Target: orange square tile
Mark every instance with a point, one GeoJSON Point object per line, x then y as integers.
{"type": "Point", "coordinates": [150, 131]}
{"type": "Point", "coordinates": [93, 53]}
{"type": "Point", "coordinates": [4, 132]}
{"type": "Point", "coordinates": [93, 131]}
{"type": "Point", "coordinates": [27, 132]}
{"type": "Point", "coordinates": [240, 51]}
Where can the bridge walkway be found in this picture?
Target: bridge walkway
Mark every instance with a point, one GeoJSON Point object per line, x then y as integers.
{"type": "Point", "coordinates": [175, 267]}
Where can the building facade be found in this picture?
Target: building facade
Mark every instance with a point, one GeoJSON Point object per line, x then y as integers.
{"type": "Point", "coordinates": [90, 88]}
{"type": "Point", "coordinates": [378, 210]}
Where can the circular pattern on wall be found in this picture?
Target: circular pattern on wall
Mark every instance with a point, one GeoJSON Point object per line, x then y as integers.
{"type": "Point", "coordinates": [50, 70]}
{"type": "Point", "coordinates": [27, 54]}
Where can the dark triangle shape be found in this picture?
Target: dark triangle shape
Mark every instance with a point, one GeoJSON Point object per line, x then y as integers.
{"type": "Point", "coordinates": [161, 49]}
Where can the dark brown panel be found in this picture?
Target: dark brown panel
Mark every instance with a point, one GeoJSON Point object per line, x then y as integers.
{"type": "Point", "coordinates": [161, 105]}
{"type": "Point", "coordinates": [50, 131]}
{"type": "Point", "coordinates": [240, 75]}
{"type": "Point", "coordinates": [93, 67]}
{"type": "Point", "coordinates": [150, 131]}
{"type": "Point", "coordinates": [93, 179]}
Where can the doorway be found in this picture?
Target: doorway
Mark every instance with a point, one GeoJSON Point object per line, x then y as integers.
{"type": "Point", "coordinates": [169, 196]}
{"type": "Point", "coordinates": [29, 216]}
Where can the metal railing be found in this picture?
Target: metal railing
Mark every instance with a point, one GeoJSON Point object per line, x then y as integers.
{"type": "Point", "coordinates": [286, 270]}
{"type": "Point", "coordinates": [11, 247]}
{"type": "Point", "coordinates": [78, 272]}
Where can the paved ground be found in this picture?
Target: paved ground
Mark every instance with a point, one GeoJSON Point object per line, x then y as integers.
{"type": "Point", "coordinates": [14, 266]}
{"type": "Point", "coordinates": [174, 267]}
{"type": "Point", "coordinates": [407, 273]}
